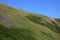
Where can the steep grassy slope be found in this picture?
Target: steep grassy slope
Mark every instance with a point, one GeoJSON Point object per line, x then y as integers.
{"type": "Point", "coordinates": [17, 24]}
{"type": "Point", "coordinates": [58, 20]}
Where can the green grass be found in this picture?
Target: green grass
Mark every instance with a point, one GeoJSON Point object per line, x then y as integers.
{"type": "Point", "coordinates": [40, 21]}
{"type": "Point", "coordinates": [18, 24]}
{"type": "Point", "coordinates": [48, 34]}
{"type": "Point", "coordinates": [57, 19]}
{"type": "Point", "coordinates": [35, 19]}
{"type": "Point", "coordinates": [15, 33]}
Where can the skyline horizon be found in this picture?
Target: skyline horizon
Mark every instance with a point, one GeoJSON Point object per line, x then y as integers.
{"type": "Point", "coordinates": [53, 12]}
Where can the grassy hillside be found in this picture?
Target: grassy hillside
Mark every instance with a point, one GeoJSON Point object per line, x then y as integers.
{"type": "Point", "coordinates": [57, 19]}
{"type": "Point", "coordinates": [18, 24]}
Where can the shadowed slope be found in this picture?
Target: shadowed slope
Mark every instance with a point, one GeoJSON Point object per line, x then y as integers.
{"type": "Point", "coordinates": [58, 20]}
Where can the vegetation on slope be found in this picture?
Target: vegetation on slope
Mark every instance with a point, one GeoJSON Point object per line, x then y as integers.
{"type": "Point", "coordinates": [57, 19]}
{"type": "Point", "coordinates": [40, 21]}
{"type": "Point", "coordinates": [15, 33]}
{"type": "Point", "coordinates": [17, 24]}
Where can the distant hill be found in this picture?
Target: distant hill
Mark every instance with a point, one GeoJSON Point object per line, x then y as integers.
{"type": "Point", "coordinates": [18, 24]}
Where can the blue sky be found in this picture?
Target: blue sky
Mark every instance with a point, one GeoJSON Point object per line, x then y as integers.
{"type": "Point", "coordinates": [46, 7]}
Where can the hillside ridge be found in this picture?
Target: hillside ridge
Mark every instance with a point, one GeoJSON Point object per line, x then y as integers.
{"type": "Point", "coordinates": [18, 24]}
